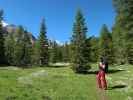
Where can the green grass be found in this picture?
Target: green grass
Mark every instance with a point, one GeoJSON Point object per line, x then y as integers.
{"type": "Point", "coordinates": [62, 84]}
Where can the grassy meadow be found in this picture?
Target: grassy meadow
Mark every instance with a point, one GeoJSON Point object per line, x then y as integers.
{"type": "Point", "coordinates": [61, 83]}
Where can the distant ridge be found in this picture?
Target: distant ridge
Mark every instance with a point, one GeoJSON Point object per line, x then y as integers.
{"type": "Point", "coordinates": [11, 28]}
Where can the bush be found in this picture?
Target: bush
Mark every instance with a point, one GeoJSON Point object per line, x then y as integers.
{"type": "Point", "coordinates": [81, 68]}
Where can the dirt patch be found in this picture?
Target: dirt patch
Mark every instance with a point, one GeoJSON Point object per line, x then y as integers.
{"type": "Point", "coordinates": [28, 78]}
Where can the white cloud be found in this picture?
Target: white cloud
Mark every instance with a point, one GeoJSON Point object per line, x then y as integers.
{"type": "Point", "coordinates": [59, 42]}
{"type": "Point", "coordinates": [4, 23]}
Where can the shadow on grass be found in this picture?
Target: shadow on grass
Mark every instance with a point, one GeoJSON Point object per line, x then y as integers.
{"type": "Point", "coordinates": [57, 66]}
{"type": "Point", "coordinates": [46, 98]}
{"type": "Point", "coordinates": [92, 72]}
{"type": "Point", "coordinates": [117, 87]}
{"type": "Point", "coordinates": [114, 71]}
{"type": "Point", "coordinates": [111, 71]}
{"type": "Point", "coordinates": [87, 72]}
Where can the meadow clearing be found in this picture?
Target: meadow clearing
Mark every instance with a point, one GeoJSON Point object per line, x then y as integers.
{"type": "Point", "coordinates": [61, 83]}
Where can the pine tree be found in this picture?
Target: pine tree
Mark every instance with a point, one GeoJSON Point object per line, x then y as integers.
{"type": "Point", "coordinates": [27, 49]}
{"type": "Point", "coordinates": [78, 44]}
{"type": "Point", "coordinates": [119, 41]}
{"type": "Point", "coordinates": [65, 52]}
{"type": "Point", "coordinates": [35, 56]}
{"type": "Point", "coordinates": [106, 44]}
{"type": "Point", "coordinates": [129, 30]}
{"type": "Point", "coordinates": [87, 50]}
{"type": "Point", "coordinates": [54, 52]}
{"type": "Point", "coordinates": [93, 48]}
{"type": "Point", "coordinates": [22, 47]}
{"type": "Point", "coordinates": [119, 34]}
{"type": "Point", "coordinates": [123, 29]}
{"type": "Point", "coordinates": [59, 53]}
{"type": "Point", "coordinates": [18, 46]}
{"type": "Point", "coordinates": [9, 48]}
{"type": "Point", "coordinates": [43, 48]}
{"type": "Point", "coordinates": [2, 40]}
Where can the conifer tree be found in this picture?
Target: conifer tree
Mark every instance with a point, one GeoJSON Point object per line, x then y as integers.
{"type": "Point", "coordinates": [43, 45]}
{"type": "Point", "coordinates": [27, 49]}
{"type": "Point", "coordinates": [106, 44]}
{"type": "Point", "coordinates": [129, 30]}
{"type": "Point", "coordinates": [65, 52]}
{"type": "Point", "coordinates": [22, 47]}
{"type": "Point", "coordinates": [93, 49]}
{"type": "Point", "coordinates": [18, 46]}
{"type": "Point", "coordinates": [2, 40]}
{"type": "Point", "coordinates": [119, 41]}
{"type": "Point", "coordinates": [123, 29]}
{"type": "Point", "coordinates": [54, 52]}
{"type": "Point", "coordinates": [78, 41]}
{"type": "Point", "coordinates": [35, 56]}
{"type": "Point", "coordinates": [9, 48]}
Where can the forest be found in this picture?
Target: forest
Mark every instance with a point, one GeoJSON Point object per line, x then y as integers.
{"type": "Point", "coordinates": [116, 45]}
{"type": "Point", "coordinates": [43, 69]}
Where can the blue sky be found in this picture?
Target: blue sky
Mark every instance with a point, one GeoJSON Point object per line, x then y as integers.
{"type": "Point", "coordinates": [59, 15]}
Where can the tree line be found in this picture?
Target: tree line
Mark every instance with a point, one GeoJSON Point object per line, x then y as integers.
{"type": "Point", "coordinates": [17, 49]}
{"type": "Point", "coordinates": [116, 45]}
